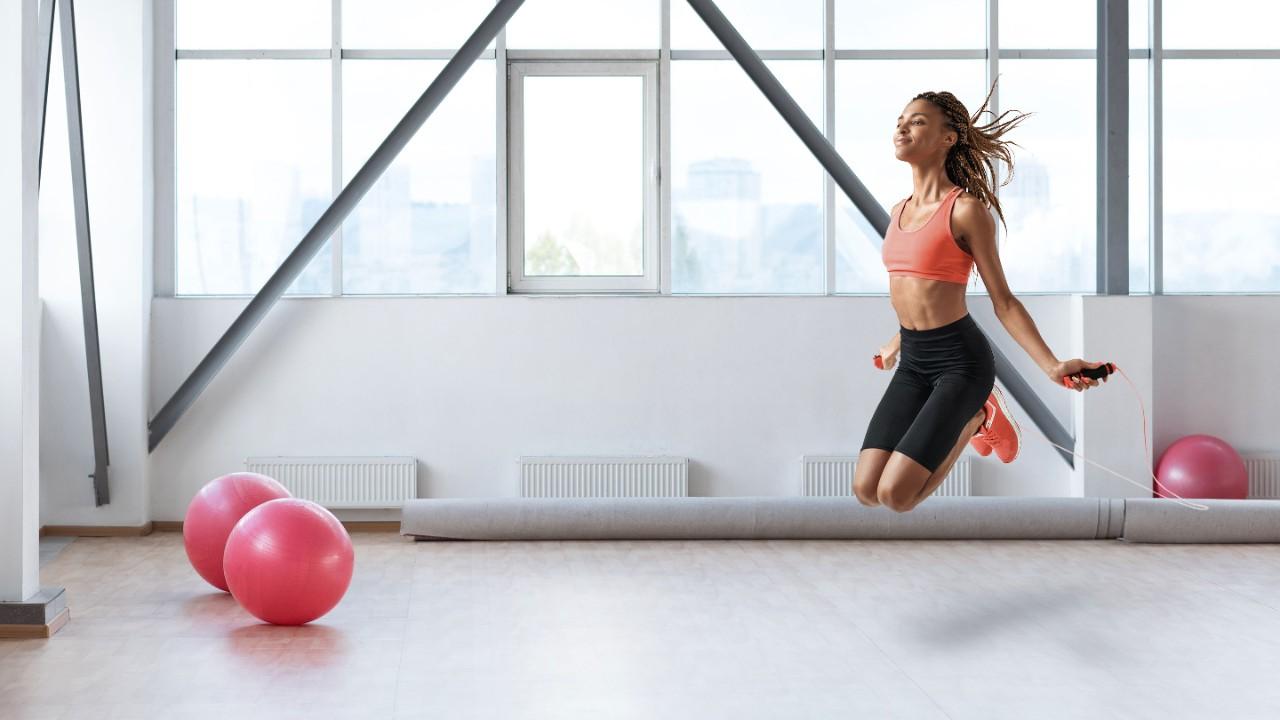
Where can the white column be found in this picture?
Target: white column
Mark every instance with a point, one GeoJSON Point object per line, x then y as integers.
{"type": "Point", "coordinates": [19, 306]}
{"type": "Point", "coordinates": [1108, 419]}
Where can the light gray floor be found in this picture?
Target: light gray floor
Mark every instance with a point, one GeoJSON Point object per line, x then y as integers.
{"type": "Point", "coordinates": [681, 629]}
{"type": "Point", "coordinates": [50, 547]}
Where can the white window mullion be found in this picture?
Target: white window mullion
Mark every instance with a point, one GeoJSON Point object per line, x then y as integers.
{"type": "Point", "coordinates": [1156, 159]}
{"type": "Point", "coordinates": [502, 284]}
{"type": "Point", "coordinates": [829, 119]}
{"type": "Point", "coordinates": [665, 266]}
{"type": "Point", "coordinates": [993, 72]}
{"type": "Point", "coordinates": [335, 63]}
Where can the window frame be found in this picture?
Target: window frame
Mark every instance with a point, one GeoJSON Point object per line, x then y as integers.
{"type": "Point", "coordinates": [163, 154]}
{"type": "Point", "coordinates": [518, 70]}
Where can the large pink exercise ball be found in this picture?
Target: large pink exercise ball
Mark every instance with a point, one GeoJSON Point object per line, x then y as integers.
{"type": "Point", "coordinates": [215, 510]}
{"type": "Point", "coordinates": [289, 561]}
{"type": "Point", "coordinates": [1201, 466]}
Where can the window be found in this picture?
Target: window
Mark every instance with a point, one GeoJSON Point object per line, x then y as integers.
{"type": "Point", "coordinates": [583, 176]}
{"type": "Point", "coordinates": [585, 24]}
{"type": "Point", "coordinates": [919, 25]}
{"type": "Point", "coordinates": [250, 25]}
{"type": "Point", "coordinates": [1035, 24]}
{"type": "Point", "coordinates": [870, 94]}
{"type": "Point", "coordinates": [1139, 177]}
{"type": "Point", "coordinates": [269, 123]}
{"type": "Point", "coordinates": [252, 172]}
{"type": "Point", "coordinates": [1050, 205]}
{"type": "Point", "coordinates": [406, 24]}
{"type": "Point", "coordinates": [1221, 223]}
{"type": "Point", "coordinates": [276, 106]}
{"type": "Point", "coordinates": [428, 225]}
{"type": "Point", "coordinates": [1223, 24]}
{"type": "Point", "coordinates": [765, 24]}
{"type": "Point", "coordinates": [746, 197]}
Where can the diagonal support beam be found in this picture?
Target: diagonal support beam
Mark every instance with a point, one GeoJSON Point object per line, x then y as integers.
{"type": "Point", "coordinates": [45, 27]}
{"type": "Point", "coordinates": [862, 198]}
{"type": "Point", "coordinates": [329, 221]}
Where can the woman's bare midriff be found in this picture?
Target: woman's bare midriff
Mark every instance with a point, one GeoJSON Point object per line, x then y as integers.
{"type": "Point", "coordinates": [923, 304]}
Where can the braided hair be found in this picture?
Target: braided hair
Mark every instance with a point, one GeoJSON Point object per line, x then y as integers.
{"type": "Point", "coordinates": [970, 162]}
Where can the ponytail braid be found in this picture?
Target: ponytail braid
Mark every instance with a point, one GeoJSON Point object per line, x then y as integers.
{"type": "Point", "coordinates": [970, 162]}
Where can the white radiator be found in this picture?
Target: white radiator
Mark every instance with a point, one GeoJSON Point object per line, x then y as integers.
{"type": "Point", "coordinates": [343, 482]}
{"type": "Point", "coordinates": [832, 476]}
{"type": "Point", "coordinates": [604, 477]}
{"type": "Point", "coordinates": [1264, 475]}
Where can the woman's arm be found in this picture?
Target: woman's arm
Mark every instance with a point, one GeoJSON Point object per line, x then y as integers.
{"type": "Point", "coordinates": [889, 351]}
{"type": "Point", "coordinates": [1022, 328]}
{"type": "Point", "coordinates": [975, 224]}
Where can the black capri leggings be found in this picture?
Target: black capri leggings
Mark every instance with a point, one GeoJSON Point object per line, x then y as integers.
{"type": "Point", "coordinates": [944, 377]}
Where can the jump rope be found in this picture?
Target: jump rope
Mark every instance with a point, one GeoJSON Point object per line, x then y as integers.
{"type": "Point", "coordinates": [1100, 373]}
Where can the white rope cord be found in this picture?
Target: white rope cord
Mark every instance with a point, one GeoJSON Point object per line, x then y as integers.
{"type": "Point", "coordinates": [1146, 449]}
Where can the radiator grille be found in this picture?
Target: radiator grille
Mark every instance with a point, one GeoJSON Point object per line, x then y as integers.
{"type": "Point", "coordinates": [604, 477]}
{"type": "Point", "coordinates": [1264, 475]}
{"type": "Point", "coordinates": [832, 476]}
{"type": "Point", "coordinates": [344, 482]}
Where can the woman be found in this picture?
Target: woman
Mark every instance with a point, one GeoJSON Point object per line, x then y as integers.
{"type": "Point", "coordinates": [943, 395]}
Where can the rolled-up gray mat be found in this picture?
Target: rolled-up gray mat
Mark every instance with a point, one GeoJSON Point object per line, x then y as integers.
{"type": "Point", "coordinates": [1155, 520]}
{"type": "Point", "coordinates": [764, 518]}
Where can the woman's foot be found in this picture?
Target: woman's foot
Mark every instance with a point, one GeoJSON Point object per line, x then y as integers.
{"type": "Point", "coordinates": [999, 431]}
{"type": "Point", "coordinates": [982, 447]}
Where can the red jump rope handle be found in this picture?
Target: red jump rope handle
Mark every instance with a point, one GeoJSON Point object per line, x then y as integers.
{"type": "Point", "coordinates": [879, 361]}
{"type": "Point", "coordinates": [1098, 373]}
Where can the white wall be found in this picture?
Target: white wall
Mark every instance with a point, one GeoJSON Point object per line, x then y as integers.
{"type": "Point", "coordinates": [742, 386]}
{"type": "Point", "coordinates": [1109, 419]}
{"type": "Point", "coordinates": [113, 41]}
{"type": "Point", "coordinates": [1216, 370]}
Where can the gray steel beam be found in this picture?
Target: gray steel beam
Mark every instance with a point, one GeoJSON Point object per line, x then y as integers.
{"type": "Point", "coordinates": [1113, 147]}
{"type": "Point", "coordinates": [862, 198]}
{"type": "Point", "coordinates": [46, 52]}
{"type": "Point", "coordinates": [809, 133]}
{"type": "Point", "coordinates": [329, 221]}
{"type": "Point", "coordinates": [88, 302]}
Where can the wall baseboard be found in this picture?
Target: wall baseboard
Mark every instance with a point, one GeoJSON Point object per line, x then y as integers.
{"type": "Point", "coordinates": [97, 530]}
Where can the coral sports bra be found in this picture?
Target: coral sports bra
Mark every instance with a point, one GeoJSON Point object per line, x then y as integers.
{"type": "Point", "coordinates": [930, 252]}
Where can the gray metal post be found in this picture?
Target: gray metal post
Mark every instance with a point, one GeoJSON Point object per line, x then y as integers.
{"type": "Point", "coordinates": [88, 302]}
{"type": "Point", "coordinates": [862, 198]}
{"type": "Point", "coordinates": [45, 26]}
{"type": "Point", "coordinates": [329, 221]}
{"type": "Point", "coordinates": [1113, 147]}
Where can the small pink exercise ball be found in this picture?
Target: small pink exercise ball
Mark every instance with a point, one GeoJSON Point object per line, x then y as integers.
{"type": "Point", "coordinates": [289, 561]}
{"type": "Point", "coordinates": [1201, 466]}
{"type": "Point", "coordinates": [215, 510]}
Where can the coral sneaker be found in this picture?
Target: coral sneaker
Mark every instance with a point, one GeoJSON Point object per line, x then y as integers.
{"type": "Point", "coordinates": [982, 447]}
{"type": "Point", "coordinates": [1000, 431]}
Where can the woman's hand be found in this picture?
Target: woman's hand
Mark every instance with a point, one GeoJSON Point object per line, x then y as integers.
{"type": "Point", "coordinates": [889, 355]}
{"type": "Point", "coordinates": [1070, 367]}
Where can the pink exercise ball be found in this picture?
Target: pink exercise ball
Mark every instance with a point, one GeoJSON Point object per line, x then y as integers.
{"type": "Point", "coordinates": [1202, 466]}
{"type": "Point", "coordinates": [215, 510]}
{"type": "Point", "coordinates": [289, 561]}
